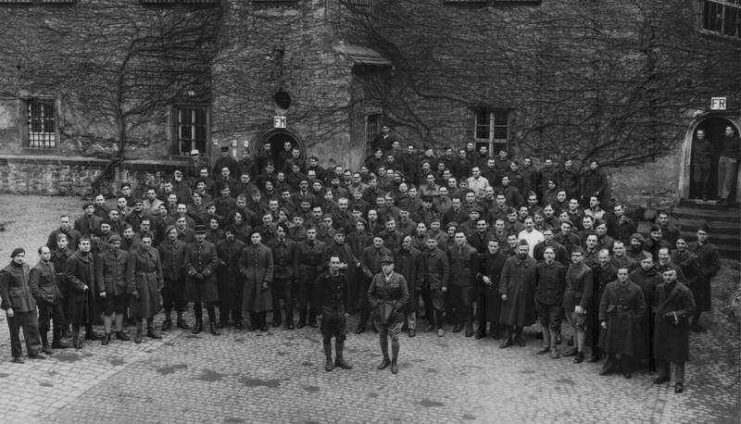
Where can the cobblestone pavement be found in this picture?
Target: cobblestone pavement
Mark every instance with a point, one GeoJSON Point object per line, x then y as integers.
{"type": "Point", "coordinates": [278, 376]}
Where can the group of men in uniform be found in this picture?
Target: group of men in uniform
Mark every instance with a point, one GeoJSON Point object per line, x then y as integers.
{"type": "Point", "coordinates": [491, 250]}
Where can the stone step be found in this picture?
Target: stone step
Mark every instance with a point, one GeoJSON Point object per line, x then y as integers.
{"type": "Point", "coordinates": [730, 215]}
{"type": "Point", "coordinates": [708, 204]}
{"type": "Point", "coordinates": [687, 224]}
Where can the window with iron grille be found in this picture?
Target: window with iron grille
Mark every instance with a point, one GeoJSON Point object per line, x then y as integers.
{"type": "Point", "coordinates": [722, 17]}
{"type": "Point", "coordinates": [191, 125]}
{"type": "Point", "coordinates": [491, 127]}
{"type": "Point", "coordinates": [169, 2]}
{"type": "Point", "coordinates": [41, 124]}
{"type": "Point", "coordinates": [372, 128]}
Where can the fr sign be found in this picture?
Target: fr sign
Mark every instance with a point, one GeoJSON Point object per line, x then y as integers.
{"type": "Point", "coordinates": [717, 103]}
{"type": "Point", "coordinates": [279, 122]}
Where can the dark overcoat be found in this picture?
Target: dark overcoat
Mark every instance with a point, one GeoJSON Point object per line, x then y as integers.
{"type": "Point", "coordinates": [491, 266]}
{"type": "Point", "coordinates": [409, 264]}
{"type": "Point", "coordinates": [674, 307]}
{"type": "Point", "coordinates": [144, 271]}
{"type": "Point", "coordinates": [15, 288]}
{"type": "Point", "coordinates": [200, 267]}
{"type": "Point", "coordinates": [256, 267]}
{"type": "Point", "coordinates": [81, 303]}
{"type": "Point", "coordinates": [622, 306]}
{"type": "Point", "coordinates": [709, 259]}
{"type": "Point", "coordinates": [518, 283]}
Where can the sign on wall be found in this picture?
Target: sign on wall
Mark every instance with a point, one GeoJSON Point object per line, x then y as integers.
{"type": "Point", "coordinates": [717, 103]}
{"type": "Point", "coordinates": [279, 122]}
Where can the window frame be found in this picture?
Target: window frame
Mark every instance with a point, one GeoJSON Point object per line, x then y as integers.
{"type": "Point", "coordinates": [367, 131]}
{"type": "Point", "coordinates": [724, 6]}
{"type": "Point", "coordinates": [27, 125]}
{"type": "Point", "coordinates": [176, 139]}
{"type": "Point", "coordinates": [493, 124]}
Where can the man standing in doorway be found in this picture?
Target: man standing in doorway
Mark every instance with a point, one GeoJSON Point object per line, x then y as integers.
{"type": "Point", "coordinates": [702, 165]}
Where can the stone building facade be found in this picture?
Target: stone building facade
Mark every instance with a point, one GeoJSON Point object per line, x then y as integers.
{"type": "Point", "coordinates": [562, 79]}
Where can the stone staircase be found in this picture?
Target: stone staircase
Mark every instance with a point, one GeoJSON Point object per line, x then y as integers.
{"type": "Point", "coordinates": [724, 222]}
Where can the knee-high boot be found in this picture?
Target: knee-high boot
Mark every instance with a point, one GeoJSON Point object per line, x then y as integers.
{"type": "Point", "coordinates": [211, 309]}
{"type": "Point", "coordinates": [198, 313]}
{"type": "Point", "coordinates": [385, 351]}
{"type": "Point", "coordinates": [394, 356]}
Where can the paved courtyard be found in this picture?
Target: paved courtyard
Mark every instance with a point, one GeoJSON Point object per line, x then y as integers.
{"type": "Point", "coordinates": [246, 377]}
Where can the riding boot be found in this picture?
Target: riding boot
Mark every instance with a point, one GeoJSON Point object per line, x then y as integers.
{"type": "Point", "coordinates": [198, 325]}
{"type": "Point", "coordinates": [385, 351]}
{"type": "Point", "coordinates": [181, 322]}
{"type": "Point", "coordinates": [45, 343]}
{"type": "Point", "coordinates": [289, 316]}
{"type": "Point", "coordinates": [56, 342]}
{"type": "Point", "coordinates": [211, 309]}
{"type": "Point", "coordinates": [120, 334]}
{"type": "Point", "coordinates": [76, 339]}
{"type": "Point", "coordinates": [340, 359]}
{"type": "Point", "coordinates": [167, 323]}
{"type": "Point", "coordinates": [328, 354]}
{"type": "Point", "coordinates": [394, 357]}
{"type": "Point", "coordinates": [150, 330]}
{"type": "Point", "coordinates": [301, 318]}
{"type": "Point", "coordinates": [139, 332]}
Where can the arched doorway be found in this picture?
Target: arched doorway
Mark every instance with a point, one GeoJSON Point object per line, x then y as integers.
{"type": "Point", "coordinates": [277, 138]}
{"type": "Point", "coordinates": [713, 126]}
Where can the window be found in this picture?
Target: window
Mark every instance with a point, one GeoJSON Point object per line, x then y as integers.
{"type": "Point", "coordinates": [191, 126]}
{"type": "Point", "coordinates": [168, 2]}
{"type": "Point", "coordinates": [41, 124]}
{"type": "Point", "coordinates": [37, 1]}
{"type": "Point", "coordinates": [490, 127]}
{"type": "Point", "coordinates": [722, 17]}
{"type": "Point", "coordinates": [372, 129]}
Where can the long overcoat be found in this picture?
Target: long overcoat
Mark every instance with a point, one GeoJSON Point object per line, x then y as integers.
{"type": "Point", "coordinates": [200, 267]}
{"type": "Point", "coordinates": [674, 307]}
{"type": "Point", "coordinates": [491, 266]}
{"type": "Point", "coordinates": [256, 266]}
{"type": "Point", "coordinates": [81, 303]}
{"type": "Point", "coordinates": [518, 283]}
{"type": "Point", "coordinates": [709, 259]}
{"type": "Point", "coordinates": [622, 306]}
{"type": "Point", "coordinates": [410, 265]}
{"type": "Point", "coordinates": [144, 271]}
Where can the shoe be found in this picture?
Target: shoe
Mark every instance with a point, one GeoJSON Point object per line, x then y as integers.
{"type": "Point", "coordinates": [77, 341]}
{"type": "Point", "coordinates": [92, 335]}
{"type": "Point", "coordinates": [122, 336]}
{"type": "Point", "coordinates": [106, 339]}
{"type": "Point", "coordinates": [394, 367]}
{"type": "Point", "coordinates": [430, 327]}
{"type": "Point", "coordinates": [469, 331]}
{"type": "Point", "coordinates": [479, 335]}
{"type": "Point", "coordinates": [36, 356]}
{"type": "Point", "coordinates": [520, 340]}
{"type": "Point", "coordinates": [182, 324]}
{"type": "Point", "coordinates": [627, 374]}
{"type": "Point", "coordinates": [555, 354]}
{"type": "Point", "coordinates": [440, 332]}
{"type": "Point", "coordinates": [302, 323]}
{"type": "Point", "coordinates": [215, 330]}
{"type": "Point", "coordinates": [59, 344]}
{"type": "Point", "coordinates": [559, 339]}
{"type": "Point", "coordinates": [384, 364]}
{"type": "Point", "coordinates": [543, 350]}
{"type": "Point", "coordinates": [328, 365]}
{"type": "Point", "coordinates": [679, 387]}
{"type": "Point", "coordinates": [412, 332]}
{"type": "Point", "coordinates": [18, 360]}
{"type": "Point", "coordinates": [593, 359]}
{"type": "Point", "coordinates": [221, 324]}
{"type": "Point", "coordinates": [359, 330]}
{"type": "Point", "coordinates": [340, 363]}
{"type": "Point", "coordinates": [579, 358]}
{"type": "Point", "coordinates": [138, 336]}
{"type": "Point", "coordinates": [505, 343]}
{"type": "Point", "coordinates": [289, 326]}
{"type": "Point", "coordinates": [47, 349]}
{"type": "Point", "coordinates": [197, 327]}
{"type": "Point", "coordinates": [496, 335]}
{"type": "Point", "coordinates": [166, 324]}
{"type": "Point", "coordinates": [458, 328]}
{"type": "Point", "coordinates": [238, 325]}
{"type": "Point", "coordinates": [152, 335]}
{"type": "Point", "coordinates": [697, 328]}
{"type": "Point", "coordinates": [661, 380]}
{"type": "Point", "coordinates": [606, 369]}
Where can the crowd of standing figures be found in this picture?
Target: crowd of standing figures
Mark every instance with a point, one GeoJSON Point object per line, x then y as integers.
{"type": "Point", "coordinates": [483, 246]}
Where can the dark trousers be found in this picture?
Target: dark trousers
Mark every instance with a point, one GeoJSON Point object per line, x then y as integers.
{"type": "Point", "coordinates": [663, 369]}
{"type": "Point", "coordinates": [282, 290]}
{"type": "Point", "coordinates": [51, 313]}
{"type": "Point", "coordinates": [434, 300]}
{"type": "Point", "coordinates": [461, 301]}
{"type": "Point", "coordinates": [28, 321]}
{"type": "Point", "coordinates": [230, 300]}
{"type": "Point", "coordinates": [307, 298]}
{"type": "Point", "coordinates": [362, 299]}
{"type": "Point", "coordinates": [701, 181]}
{"type": "Point", "coordinates": [173, 295]}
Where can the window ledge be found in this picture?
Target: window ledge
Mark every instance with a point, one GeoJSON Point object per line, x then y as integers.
{"type": "Point", "coordinates": [718, 35]}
